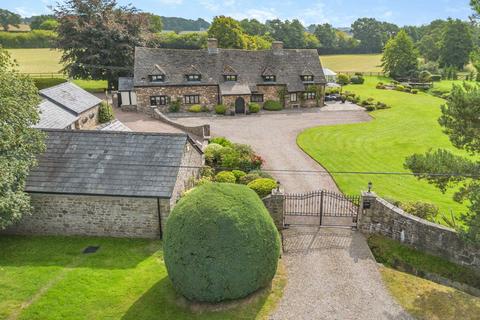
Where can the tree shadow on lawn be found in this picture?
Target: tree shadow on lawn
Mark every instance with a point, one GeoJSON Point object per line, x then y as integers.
{"type": "Point", "coordinates": [162, 302]}
{"type": "Point", "coordinates": [47, 251]}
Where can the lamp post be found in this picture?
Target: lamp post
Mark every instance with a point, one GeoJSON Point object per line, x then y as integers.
{"type": "Point", "coordinates": [370, 184]}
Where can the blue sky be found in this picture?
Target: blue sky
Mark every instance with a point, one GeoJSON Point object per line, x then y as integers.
{"type": "Point", "coordinates": [339, 13]}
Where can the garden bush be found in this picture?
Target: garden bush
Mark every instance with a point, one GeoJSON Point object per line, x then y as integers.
{"type": "Point", "coordinates": [262, 174]}
{"type": "Point", "coordinates": [249, 178]}
{"type": "Point", "coordinates": [226, 177]}
{"type": "Point", "coordinates": [195, 108]}
{"type": "Point", "coordinates": [424, 210]}
{"type": "Point", "coordinates": [220, 109]}
{"type": "Point", "coordinates": [370, 108]}
{"type": "Point", "coordinates": [436, 78]}
{"type": "Point", "coordinates": [238, 174]}
{"type": "Point", "coordinates": [343, 79]}
{"type": "Point", "coordinates": [425, 76]}
{"type": "Point", "coordinates": [213, 154]}
{"type": "Point", "coordinates": [105, 112]}
{"type": "Point", "coordinates": [399, 87]}
{"type": "Point", "coordinates": [414, 91]}
{"type": "Point", "coordinates": [381, 105]}
{"type": "Point", "coordinates": [42, 83]}
{"type": "Point", "coordinates": [220, 243]}
{"type": "Point", "coordinates": [174, 106]}
{"type": "Point", "coordinates": [253, 107]}
{"type": "Point", "coordinates": [272, 105]}
{"type": "Point", "coordinates": [263, 186]}
{"type": "Point", "coordinates": [357, 80]}
{"type": "Point", "coordinates": [224, 142]}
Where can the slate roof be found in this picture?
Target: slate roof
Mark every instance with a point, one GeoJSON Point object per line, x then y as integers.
{"type": "Point", "coordinates": [114, 125]}
{"type": "Point", "coordinates": [53, 116]}
{"type": "Point", "coordinates": [125, 84]}
{"type": "Point", "coordinates": [108, 163]}
{"type": "Point", "coordinates": [287, 66]}
{"type": "Point", "coordinates": [71, 97]}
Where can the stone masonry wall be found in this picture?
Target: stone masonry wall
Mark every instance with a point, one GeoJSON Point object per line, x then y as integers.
{"type": "Point", "coordinates": [275, 204]}
{"type": "Point", "coordinates": [88, 119]}
{"type": "Point", "coordinates": [384, 218]}
{"type": "Point", "coordinates": [208, 96]}
{"type": "Point", "coordinates": [75, 215]}
{"type": "Point", "coordinates": [229, 101]}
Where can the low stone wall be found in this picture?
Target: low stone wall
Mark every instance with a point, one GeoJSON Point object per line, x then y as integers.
{"type": "Point", "coordinates": [381, 217]}
{"type": "Point", "coordinates": [275, 205]}
{"type": "Point", "coordinates": [199, 132]}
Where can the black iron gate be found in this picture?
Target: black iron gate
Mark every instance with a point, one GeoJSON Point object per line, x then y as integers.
{"type": "Point", "coordinates": [325, 208]}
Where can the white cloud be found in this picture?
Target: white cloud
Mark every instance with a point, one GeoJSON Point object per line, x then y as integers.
{"type": "Point", "coordinates": [171, 2]}
{"type": "Point", "coordinates": [259, 14]}
{"type": "Point", "coordinates": [24, 12]}
{"type": "Point", "coordinates": [387, 14]}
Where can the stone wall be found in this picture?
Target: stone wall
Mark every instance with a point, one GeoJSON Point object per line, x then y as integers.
{"type": "Point", "coordinates": [270, 92]}
{"type": "Point", "coordinates": [208, 96]}
{"type": "Point", "coordinates": [275, 204]}
{"type": "Point", "coordinates": [88, 119]}
{"type": "Point", "coordinates": [229, 101]}
{"type": "Point", "coordinates": [381, 217]}
{"type": "Point", "coordinates": [75, 215]}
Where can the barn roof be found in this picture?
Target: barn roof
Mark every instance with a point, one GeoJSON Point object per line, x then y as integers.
{"type": "Point", "coordinates": [71, 97]}
{"type": "Point", "coordinates": [53, 116]}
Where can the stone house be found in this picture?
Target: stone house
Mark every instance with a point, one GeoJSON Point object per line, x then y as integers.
{"type": "Point", "coordinates": [223, 76]}
{"type": "Point", "coordinates": [67, 106]}
{"type": "Point", "coordinates": [115, 184]}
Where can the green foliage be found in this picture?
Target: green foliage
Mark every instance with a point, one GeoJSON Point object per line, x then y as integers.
{"type": "Point", "coordinates": [228, 32]}
{"type": "Point", "coordinates": [213, 155]}
{"type": "Point", "coordinates": [220, 109]}
{"type": "Point", "coordinates": [222, 153]}
{"type": "Point", "coordinates": [261, 174]}
{"type": "Point", "coordinates": [357, 79]}
{"type": "Point", "coordinates": [42, 83]}
{"type": "Point", "coordinates": [400, 58]}
{"type": "Point", "coordinates": [174, 105]}
{"type": "Point", "coordinates": [272, 105]}
{"type": "Point", "coordinates": [291, 33]}
{"type": "Point", "coordinates": [224, 142]}
{"type": "Point", "coordinates": [19, 143]}
{"type": "Point", "coordinates": [456, 45]}
{"type": "Point", "coordinates": [343, 79]}
{"type": "Point", "coordinates": [238, 175]}
{"type": "Point", "coordinates": [225, 177]}
{"type": "Point", "coordinates": [195, 108]}
{"type": "Point", "coordinates": [249, 178]}
{"type": "Point", "coordinates": [8, 18]}
{"type": "Point", "coordinates": [253, 107]}
{"type": "Point", "coordinates": [424, 210]}
{"type": "Point", "coordinates": [172, 40]}
{"type": "Point", "coordinates": [436, 78]}
{"type": "Point", "coordinates": [50, 24]}
{"type": "Point", "coordinates": [262, 186]}
{"type": "Point", "coordinates": [396, 255]}
{"type": "Point", "coordinates": [33, 39]}
{"type": "Point", "coordinates": [220, 243]}
{"type": "Point", "coordinates": [373, 34]}
{"type": "Point", "coordinates": [155, 23]}
{"type": "Point", "coordinates": [425, 76]}
{"type": "Point", "coordinates": [326, 35]}
{"type": "Point", "coordinates": [105, 112]}
{"type": "Point", "coordinates": [257, 42]}
{"type": "Point", "coordinates": [181, 24]}
{"type": "Point", "coordinates": [38, 20]}
{"type": "Point", "coordinates": [253, 27]}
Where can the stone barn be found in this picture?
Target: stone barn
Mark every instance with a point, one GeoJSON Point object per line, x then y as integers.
{"type": "Point", "coordinates": [114, 184]}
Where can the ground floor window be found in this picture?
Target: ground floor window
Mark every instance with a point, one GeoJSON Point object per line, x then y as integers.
{"type": "Point", "coordinates": [191, 99]}
{"type": "Point", "coordinates": [309, 95]}
{"type": "Point", "coordinates": [158, 100]}
{"type": "Point", "coordinates": [256, 98]}
{"type": "Point", "coordinates": [293, 97]}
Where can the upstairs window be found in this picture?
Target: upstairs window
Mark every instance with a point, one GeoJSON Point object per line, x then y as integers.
{"type": "Point", "coordinates": [309, 95]}
{"type": "Point", "coordinates": [307, 78]}
{"type": "Point", "coordinates": [230, 77]}
{"type": "Point", "coordinates": [157, 78]}
{"type": "Point", "coordinates": [269, 78]}
{"type": "Point", "coordinates": [194, 77]}
{"type": "Point", "coordinates": [158, 100]}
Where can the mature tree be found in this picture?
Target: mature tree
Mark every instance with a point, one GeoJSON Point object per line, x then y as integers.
{"type": "Point", "coordinates": [311, 41]}
{"type": "Point", "coordinates": [228, 32]}
{"type": "Point", "coordinates": [326, 35]}
{"type": "Point", "coordinates": [446, 170]}
{"type": "Point", "coordinates": [253, 27]}
{"type": "Point", "coordinates": [181, 24]}
{"type": "Point", "coordinates": [36, 21]}
{"type": "Point", "coordinates": [8, 18]}
{"type": "Point", "coordinates": [400, 58]}
{"type": "Point", "coordinates": [456, 45]}
{"type": "Point", "coordinates": [291, 33]}
{"type": "Point", "coordinates": [369, 32]}
{"type": "Point", "coordinates": [429, 48]}
{"type": "Point", "coordinates": [50, 24]}
{"type": "Point", "coordinates": [98, 38]}
{"type": "Point", "coordinates": [19, 142]}
{"type": "Point", "coordinates": [413, 32]}
{"type": "Point", "coordinates": [155, 23]}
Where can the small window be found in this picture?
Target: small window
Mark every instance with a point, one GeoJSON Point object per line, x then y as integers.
{"type": "Point", "coordinates": [270, 78]}
{"type": "Point", "coordinates": [157, 78]}
{"type": "Point", "coordinates": [256, 98]}
{"type": "Point", "coordinates": [158, 100]}
{"type": "Point", "coordinates": [194, 77]}
{"type": "Point", "coordinates": [309, 95]}
{"type": "Point", "coordinates": [191, 99]}
{"type": "Point", "coordinates": [230, 77]}
{"type": "Point", "coordinates": [308, 78]}
{"type": "Point", "coordinates": [293, 97]}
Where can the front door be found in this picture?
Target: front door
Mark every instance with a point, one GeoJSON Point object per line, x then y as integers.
{"type": "Point", "coordinates": [240, 105]}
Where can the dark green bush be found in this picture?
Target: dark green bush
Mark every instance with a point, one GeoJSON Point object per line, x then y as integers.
{"type": "Point", "coordinates": [175, 106]}
{"type": "Point", "coordinates": [238, 174]}
{"type": "Point", "coordinates": [357, 80]}
{"type": "Point", "coordinates": [32, 39]}
{"type": "Point", "coordinates": [435, 77]}
{"type": "Point", "coordinates": [220, 243]}
{"type": "Point", "coordinates": [261, 173]}
{"type": "Point", "coordinates": [249, 178]}
{"type": "Point", "coordinates": [423, 210]}
{"type": "Point", "coordinates": [105, 113]}
{"type": "Point", "coordinates": [272, 105]}
{"type": "Point", "coordinates": [42, 83]}
{"type": "Point", "coordinates": [263, 186]}
{"type": "Point", "coordinates": [253, 107]}
{"type": "Point", "coordinates": [226, 177]}
{"type": "Point", "coordinates": [414, 91]}
{"type": "Point", "coordinates": [343, 79]}
{"type": "Point", "coordinates": [370, 108]}
{"type": "Point", "coordinates": [220, 109]}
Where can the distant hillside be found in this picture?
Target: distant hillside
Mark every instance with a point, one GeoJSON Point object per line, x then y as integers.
{"type": "Point", "coordinates": [182, 24]}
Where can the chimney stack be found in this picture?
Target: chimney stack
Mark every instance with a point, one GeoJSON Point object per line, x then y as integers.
{"type": "Point", "coordinates": [277, 47]}
{"type": "Point", "coordinates": [212, 45]}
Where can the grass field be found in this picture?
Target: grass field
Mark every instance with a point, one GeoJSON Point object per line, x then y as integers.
{"type": "Point", "coordinates": [382, 145]}
{"type": "Point", "coordinates": [353, 62]}
{"type": "Point", "coordinates": [37, 60]}
{"type": "Point", "coordinates": [50, 278]}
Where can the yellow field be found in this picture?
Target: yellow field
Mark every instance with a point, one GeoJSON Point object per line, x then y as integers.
{"type": "Point", "coordinates": [37, 60]}
{"type": "Point", "coordinates": [353, 62]}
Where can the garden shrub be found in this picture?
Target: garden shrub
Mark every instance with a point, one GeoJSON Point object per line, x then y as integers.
{"type": "Point", "coordinates": [105, 112]}
{"type": "Point", "coordinates": [272, 105]}
{"type": "Point", "coordinates": [226, 177]}
{"type": "Point", "coordinates": [262, 174]}
{"type": "Point", "coordinates": [425, 76]}
{"type": "Point", "coordinates": [414, 91]}
{"type": "Point", "coordinates": [370, 108]}
{"type": "Point", "coordinates": [253, 107]}
{"type": "Point", "coordinates": [213, 154]}
{"type": "Point", "coordinates": [224, 142]}
{"type": "Point", "coordinates": [220, 109]}
{"type": "Point", "coordinates": [207, 172]}
{"type": "Point", "coordinates": [220, 243]}
{"type": "Point", "coordinates": [42, 83]}
{"type": "Point", "coordinates": [343, 79]}
{"type": "Point", "coordinates": [357, 79]}
{"type": "Point", "coordinates": [263, 186]}
{"type": "Point", "coordinates": [399, 87]}
{"type": "Point", "coordinates": [238, 174]}
{"type": "Point", "coordinates": [174, 106]}
{"type": "Point", "coordinates": [435, 78]}
{"type": "Point", "coordinates": [381, 105]}
{"type": "Point", "coordinates": [249, 178]}
{"type": "Point", "coordinates": [424, 210]}
{"type": "Point", "coordinates": [195, 108]}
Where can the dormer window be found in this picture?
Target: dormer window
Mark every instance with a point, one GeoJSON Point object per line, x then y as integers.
{"type": "Point", "coordinates": [230, 77]}
{"type": "Point", "coordinates": [194, 77]}
{"type": "Point", "coordinates": [269, 78]}
{"type": "Point", "coordinates": [157, 78]}
{"type": "Point", "coordinates": [307, 78]}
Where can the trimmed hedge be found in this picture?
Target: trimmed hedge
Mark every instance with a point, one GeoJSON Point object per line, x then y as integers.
{"type": "Point", "coordinates": [253, 107]}
{"type": "Point", "coordinates": [196, 108]}
{"type": "Point", "coordinates": [272, 105]}
{"type": "Point", "coordinates": [263, 186]}
{"type": "Point", "coordinates": [226, 177]}
{"type": "Point", "coordinates": [32, 39]}
{"type": "Point", "coordinates": [42, 83]}
{"type": "Point", "coordinates": [220, 243]}
{"type": "Point", "coordinates": [220, 109]}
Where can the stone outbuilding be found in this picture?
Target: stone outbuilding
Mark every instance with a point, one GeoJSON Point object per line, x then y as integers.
{"type": "Point", "coordinates": [114, 184]}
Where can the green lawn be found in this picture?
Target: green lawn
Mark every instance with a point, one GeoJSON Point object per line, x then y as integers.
{"type": "Point", "coordinates": [37, 60]}
{"type": "Point", "coordinates": [353, 62]}
{"type": "Point", "coordinates": [382, 145]}
{"type": "Point", "coordinates": [125, 279]}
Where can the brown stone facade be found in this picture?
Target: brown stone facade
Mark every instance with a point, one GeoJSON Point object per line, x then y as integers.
{"type": "Point", "coordinates": [88, 119]}
{"type": "Point", "coordinates": [229, 101]}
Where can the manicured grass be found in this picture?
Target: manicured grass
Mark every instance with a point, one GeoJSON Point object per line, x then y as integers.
{"type": "Point", "coordinates": [424, 299]}
{"type": "Point", "coordinates": [94, 86]}
{"type": "Point", "coordinates": [353, 62]}
{"type": "Point", "coordinates": [37, 60]}
{"type": "Point", "coordinates": [125, 279]}
{"type": "Point", "coordinates": [382, 145]}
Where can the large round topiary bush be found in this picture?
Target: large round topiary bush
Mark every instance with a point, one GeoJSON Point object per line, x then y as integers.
{"type": "Point", "coordinates": [220, 243]}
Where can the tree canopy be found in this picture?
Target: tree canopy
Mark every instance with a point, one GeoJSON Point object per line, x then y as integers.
{"type": "Point", "coordinates": [456, 45]}
{"type": "Point", "coordinates": [228, 32]}
{"type": "Point", "coordinates": [400, 58]}
{"type": "Point", "coordinates": [8, 18]}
